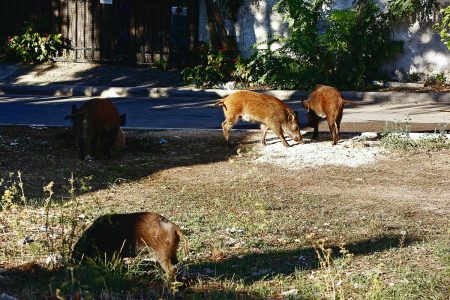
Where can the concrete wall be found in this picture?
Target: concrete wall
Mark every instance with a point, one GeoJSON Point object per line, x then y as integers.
{"type": "Point", "coordinates": [424, 53]}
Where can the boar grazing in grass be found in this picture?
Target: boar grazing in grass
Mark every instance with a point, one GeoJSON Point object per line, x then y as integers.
{"type": "Point", "coordinates": [326, 102]}
{"type": "Point", "coordinates": [96, 125]}
{"type": "Point", "coordinates": [269, 111]}
{"type": "Point", "coordinates": [119, 144]}
{"type": "Point", "coordinates": [126, 235]}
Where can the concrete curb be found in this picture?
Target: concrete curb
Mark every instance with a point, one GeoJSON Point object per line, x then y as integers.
{"type": "Point", "coordinates": [188, 92]}
{"type": "Point", "coordinates": [367, 134]}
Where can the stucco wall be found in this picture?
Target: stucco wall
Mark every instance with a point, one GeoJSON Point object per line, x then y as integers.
{"type": "Point", "coordinates": [423, 51]}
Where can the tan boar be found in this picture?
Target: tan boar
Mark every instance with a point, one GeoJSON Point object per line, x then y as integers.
{"type": "Point", "coordinates": [126, 235]}
{"type": "Point", "coordinates": [326, 102]}
{"type": "Point", "coordinates": [269, 111]}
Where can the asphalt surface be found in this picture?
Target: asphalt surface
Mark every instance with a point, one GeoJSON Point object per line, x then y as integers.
{"type": "Point", "coordinates": [186, 112]}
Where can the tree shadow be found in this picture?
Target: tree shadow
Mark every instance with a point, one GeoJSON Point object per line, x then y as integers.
{"type": "Point", "coordinates": [50, 154]}
{"type": "Point", "coordinates": [269, 264]}
{"type": "Point", "coordinates": [33, 281]}
{"type": "Point", "coordinates": [101, 75]}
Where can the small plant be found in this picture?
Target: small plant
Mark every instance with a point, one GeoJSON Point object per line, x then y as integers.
{"type": "Point", "coordinates": [162, 64]}
{"type": "Point", "coordinates": [31, 46]}
{"type": "Point", "coordinates": [414, 77]}
{"type": "Point", "coordinates": [332, 269]}
{"type": "Point", "coordinates": [63, 220]}
{"type": "Point", "coordinates": [13, 192]}
{"type": "Point", "coordinates": [438, 79]}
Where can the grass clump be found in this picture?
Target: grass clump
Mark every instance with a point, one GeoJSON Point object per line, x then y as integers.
{"type": "Point", "coordinates": [397, 136]}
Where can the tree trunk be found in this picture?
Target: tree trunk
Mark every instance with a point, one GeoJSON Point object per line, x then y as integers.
{"type": "Point", "coordinates": [216, 27]}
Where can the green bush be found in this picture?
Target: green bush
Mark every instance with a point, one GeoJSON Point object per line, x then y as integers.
{"type": "Point", "coordinates": [345, 48]}
{"type": "Point", "coordinates": [216, 65]}
{"type": "Point", "coordinates": [443, 27]}
{"type": "Point", "coordinates": [31, 46]}
{"type": "Point", "coordinates": [438, 79]}
{"type": "Point", "coordinates": [340, 47]}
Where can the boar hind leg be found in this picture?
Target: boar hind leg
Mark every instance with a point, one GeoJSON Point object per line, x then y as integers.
{"type": "Point", "coordinates": [279, 132]}
{"type": "Point", "coordinates": [82, 141]}
{"type": "Point", "coordinates": [168, 264]}
{"type": "Point", "coordinates": [94, 146]}
{"type": "Point", "coordinates": [316, 130]}
{"type": "Point", "coordinates": [226, 126]}
{"type": "Point", "coordinates": [264, 130]}
{"type": "Point", "coordinates": [82, 145]}
{"type": "Point", "coordinates": [338, 126]}
{"type": "Point", "coordinates": [334, 131]}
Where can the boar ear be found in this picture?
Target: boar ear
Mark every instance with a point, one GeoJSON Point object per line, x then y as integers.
{"type": "Point", "coordinates": [291, 117]}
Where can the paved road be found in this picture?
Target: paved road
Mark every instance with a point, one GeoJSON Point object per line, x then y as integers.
{"type": "Point", "coordinates": [197, 113]}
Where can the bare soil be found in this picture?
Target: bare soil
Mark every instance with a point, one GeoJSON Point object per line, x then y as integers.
{"type": "Point", "coordinates": [250, 220]}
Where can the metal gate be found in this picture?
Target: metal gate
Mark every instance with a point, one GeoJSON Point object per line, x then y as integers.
{"type": "Point", "coordinates": [142, 31]}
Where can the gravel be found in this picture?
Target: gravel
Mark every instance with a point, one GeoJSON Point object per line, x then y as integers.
{"type": "Point", "coordinates": [351, 151]}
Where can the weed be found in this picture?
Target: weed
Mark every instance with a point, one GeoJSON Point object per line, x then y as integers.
{"type": "Point", "coordinates": [433, 80]}
{"type": "Point", "coordinates": [397, 136]}
{"type": "Point", "coordinates": [162, 64]}
{"type": "Point", "coordinates": [414, 77]}
{"type": "Point", "coordinates": [13, 192]}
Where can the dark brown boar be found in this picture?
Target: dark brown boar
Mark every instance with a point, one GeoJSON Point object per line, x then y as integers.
{"type": "Point", "coordinates": [326, 102]}
{"type": "Point", "coordinates": [126, 235]}
{"type": "Point", "coordinates": [269, 111]}
{"type": "Point", "coordinates": [96, 125]}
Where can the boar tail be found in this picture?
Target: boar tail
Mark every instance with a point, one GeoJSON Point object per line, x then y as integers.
{"type": "Point", "coordinates": [349, 102]}
{"type": "Point", "coordinates": [185, 241]}
{"type": "Point", "coordinates": [221, 103]}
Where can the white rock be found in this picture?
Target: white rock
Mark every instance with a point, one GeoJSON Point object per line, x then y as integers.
{"type": "Point", "coordinates": [290, 292]}
{"type": "Point", "coordinates": [234, 230]}
{"type": "Point", "coordinates": [53, 259]}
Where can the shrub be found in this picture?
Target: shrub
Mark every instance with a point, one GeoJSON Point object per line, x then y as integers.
{"type": "Point", "coordinates": [339, 47]}
{"type": "Point", "coordinates": [414, 77]}
{"type": "Point", "coordinates": [31, 46]}
{"type": "Point", "coordinates": [216, 65]}
{"type": "Point", "coordinates": [443, 27]}
{"type": "Point", "coordinates": [438, 79]}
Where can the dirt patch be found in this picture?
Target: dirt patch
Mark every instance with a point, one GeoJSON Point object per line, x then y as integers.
{"type": "Point", "coordinates": [352, 151]}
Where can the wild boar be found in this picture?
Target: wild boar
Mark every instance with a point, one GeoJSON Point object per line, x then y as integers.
{"type": "Point", "coordinates": [126, 235]}
{"type": "Point", "coordinates": [326, 102]}
{"type": "Point", "coordinates": [269, 111]}
{"type": "Point", "coordinates": [119, 144]}
{"type": "Point", "coordinates": [96, 125]}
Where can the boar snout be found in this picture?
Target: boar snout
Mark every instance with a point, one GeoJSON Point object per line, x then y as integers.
{"type": "Point", "coordinates": [293, 129]}
{"type": "Point", "coordinates": [298, 139]}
